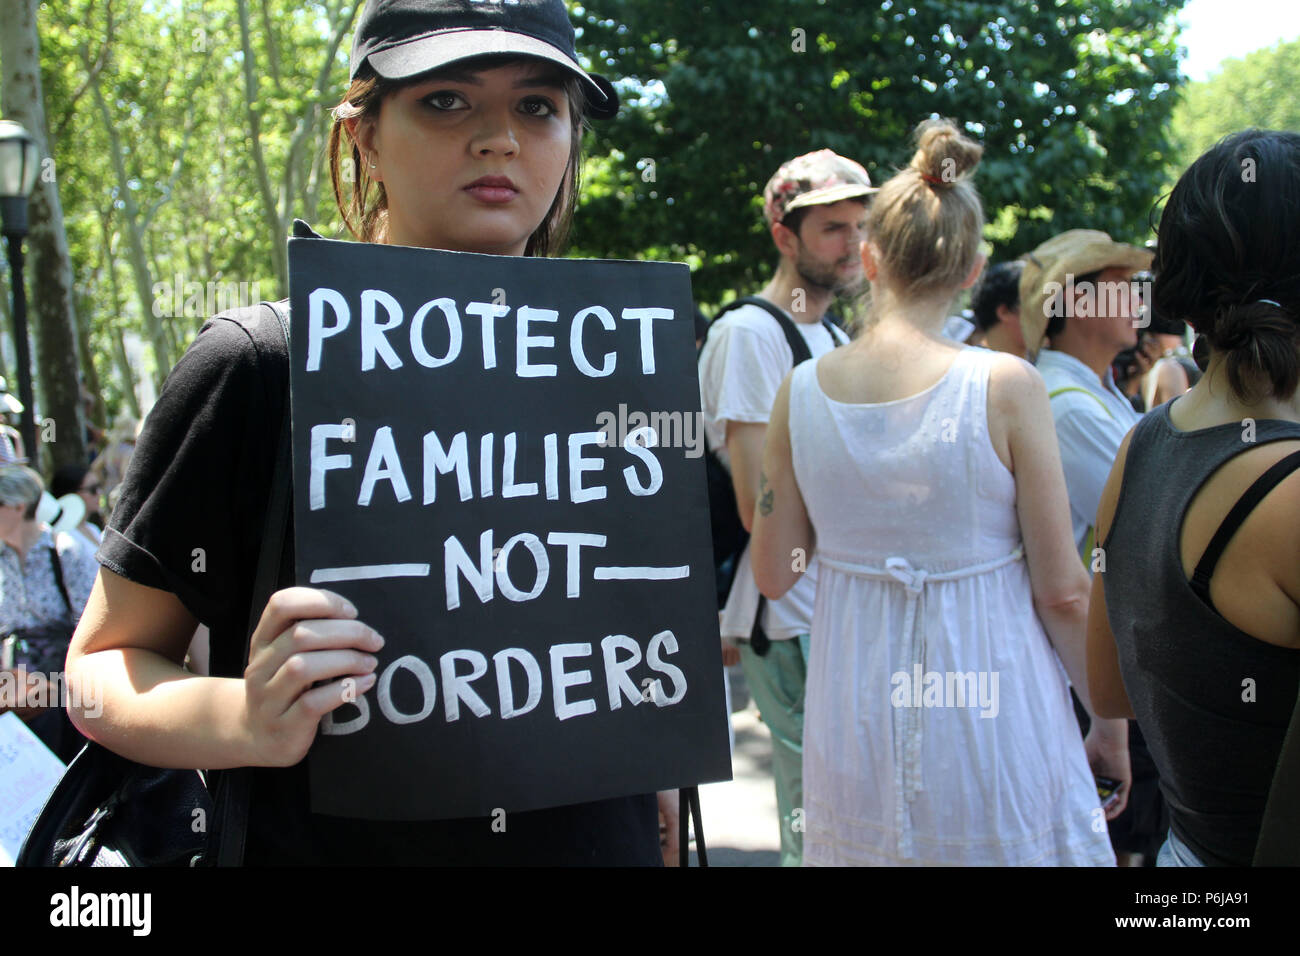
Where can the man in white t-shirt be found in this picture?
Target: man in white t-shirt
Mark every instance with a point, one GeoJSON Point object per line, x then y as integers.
{"type": "Point", "coordinates": [815, 206]}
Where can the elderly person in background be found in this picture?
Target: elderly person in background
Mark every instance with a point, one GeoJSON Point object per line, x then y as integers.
{"type": "Point", "coordinates": [45, 581]}
{"type": "Point", "coordinates": [1077, 289]}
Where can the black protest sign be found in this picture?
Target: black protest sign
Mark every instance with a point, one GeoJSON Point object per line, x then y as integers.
{"type": "Point", "coordinates": [497, 460]}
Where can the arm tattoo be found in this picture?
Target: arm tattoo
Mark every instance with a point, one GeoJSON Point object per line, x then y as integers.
{"type": "Point", "coordinates": [765, 496]}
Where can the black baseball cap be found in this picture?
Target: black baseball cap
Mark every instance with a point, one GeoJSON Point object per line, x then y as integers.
{"type": "Point", "coordinates": [401, 39]}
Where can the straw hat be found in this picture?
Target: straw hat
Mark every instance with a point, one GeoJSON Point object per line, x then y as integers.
{"type": "Point", "coordinates": [1077, 252]}
{"type": "Point", "coordinates": [7, 402]}
{"type": "Point", "coordinates": [61, 514]}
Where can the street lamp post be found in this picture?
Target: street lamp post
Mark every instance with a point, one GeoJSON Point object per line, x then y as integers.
{"type": "Point", "coordinates": [18, 164]}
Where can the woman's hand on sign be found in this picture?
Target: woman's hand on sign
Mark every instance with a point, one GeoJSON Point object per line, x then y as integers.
{"type": "Point", "coordinates": [308, 655]}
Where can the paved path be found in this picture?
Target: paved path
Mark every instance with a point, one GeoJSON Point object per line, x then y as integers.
{"type": "Point", "coordinates": [740, 822]}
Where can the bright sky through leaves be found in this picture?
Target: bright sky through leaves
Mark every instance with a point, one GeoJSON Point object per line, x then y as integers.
{"type": "Point", "coordinates": [1214, 30]}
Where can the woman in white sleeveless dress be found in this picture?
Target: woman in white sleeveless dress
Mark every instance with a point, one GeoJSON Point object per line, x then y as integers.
{"type": "Point", "coordinates": [938, 725]}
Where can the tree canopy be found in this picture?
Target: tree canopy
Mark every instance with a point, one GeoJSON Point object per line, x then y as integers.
{"type": "Point", "coordinates": [188, 134]}
{"type": "Point", "coordinates": [1070, 100]}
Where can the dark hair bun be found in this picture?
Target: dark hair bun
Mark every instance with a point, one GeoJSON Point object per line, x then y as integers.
{"type": "Point", "coordinates": [1260, 338]}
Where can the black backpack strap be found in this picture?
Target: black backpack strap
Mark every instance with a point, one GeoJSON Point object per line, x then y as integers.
{"type": "Point", "coordinates": [232, 799]}
{"type": "Point", "coordinates": [758, 640]}
{"type": "Point", "coordinates": [834, 324]}
{"type": "Point", "coordinates": [797, 344]}
{"type": "Point", "coordinates": [1265, 483]}
{"type": "Point", "coordinates": [57, 566]}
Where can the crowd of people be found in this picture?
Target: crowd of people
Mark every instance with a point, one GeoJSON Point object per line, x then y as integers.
{"type": "Point", "coordinates": [957, 497]}
{"type": "Point", "coordinates": [49, 532]}
{"type": "Point", "coordinates": [1021, 600]}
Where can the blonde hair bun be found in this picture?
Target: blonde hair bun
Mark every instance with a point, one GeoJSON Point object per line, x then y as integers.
{"type": "Point", "coordinates": [943, 154]}
{"type": "Point", "coordinates": [927, 221]}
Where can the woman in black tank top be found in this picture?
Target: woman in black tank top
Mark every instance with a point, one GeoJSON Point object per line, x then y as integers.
{"type": "Point", "coordinates": [1194, 627]}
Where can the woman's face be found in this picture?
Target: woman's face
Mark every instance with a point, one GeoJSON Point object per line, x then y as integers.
{"type": "Point", "coordinates": [471, 161]}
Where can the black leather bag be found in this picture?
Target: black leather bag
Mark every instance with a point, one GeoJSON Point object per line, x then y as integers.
{"type": "Point", "coordinates": [42, 647]}
{"type": "Point", "coordinates": [110, 811]}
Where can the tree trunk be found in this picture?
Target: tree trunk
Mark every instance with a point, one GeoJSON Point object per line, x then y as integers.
{"type": "Point", "coordinates": [89, 374]}
{"type": "Point", "coordinates": [124, 368]}
{"type": "Point", "coordinates": [61, 431]}
{"type": "Point", "coordinates": [136, 256]}
{"type": "Point", "coordinates": [115, 333]}
{"type": "Point", "coordinates": [340, 21]}
{"type": "Point", "coordinates": [272, 44]}
{"type": "Point", "coordinates": [275, 225]}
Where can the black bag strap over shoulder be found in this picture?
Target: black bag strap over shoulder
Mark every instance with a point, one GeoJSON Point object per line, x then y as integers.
{"type": "Point", "coordinates": [57, 567]}
{"type": "Point", "coordinates": [798, 346]}
{"type": "Point", "coordinates": [233, 786]}
{"type": "Point", "coordinates": [271, 556]}
{"type": "Point", "coordinates": [758, 639]}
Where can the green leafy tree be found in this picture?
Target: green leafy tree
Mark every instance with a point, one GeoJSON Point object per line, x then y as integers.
{"type": "Point", "coordinates": [187, 133]}
{"type": "Point", "coordinates": [58, 438]}
{"type": "Point", "coordinates": [1070, 99]}
{"type": "Point", "coordinates": [179, 168]}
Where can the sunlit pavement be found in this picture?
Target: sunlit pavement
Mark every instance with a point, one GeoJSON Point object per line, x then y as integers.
{"type": "Point", "coordinates": [740, 821]}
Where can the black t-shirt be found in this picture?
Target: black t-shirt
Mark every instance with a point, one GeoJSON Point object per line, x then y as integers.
{"type": "Point", "coordinates": [190, 519]}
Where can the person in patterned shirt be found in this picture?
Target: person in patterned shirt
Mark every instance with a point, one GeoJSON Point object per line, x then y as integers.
{"type": "Point", "coordinates": [45, 581]}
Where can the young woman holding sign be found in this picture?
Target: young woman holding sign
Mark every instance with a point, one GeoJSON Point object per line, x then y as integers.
{"type": "Point", "coordinates": [460, 131]}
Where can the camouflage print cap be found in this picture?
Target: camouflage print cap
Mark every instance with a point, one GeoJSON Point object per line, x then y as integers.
{"type": "Point", "coordinates": [814, 179]}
